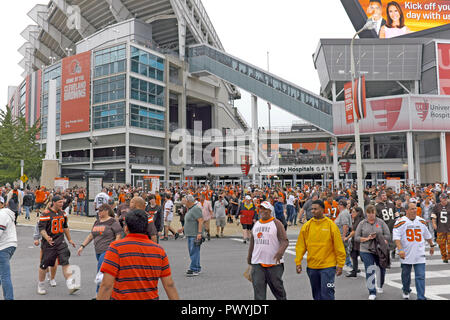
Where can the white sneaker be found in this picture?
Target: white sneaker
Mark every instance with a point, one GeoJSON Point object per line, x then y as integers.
{"type": "Point", "coordinates": [72, 286]}
{"type": "Point", "coordinates": [347, 268]}
{"type": "Point", "coordinates": [41, 289]}
{"type": "Point", "coordinates": [53, 282]}
{"type": "Point", "coordinates": [380, 290]}
{"type": "Point", "coordinates": [372, 297]}
{"type": "Point", "coordinates": [405, 296]}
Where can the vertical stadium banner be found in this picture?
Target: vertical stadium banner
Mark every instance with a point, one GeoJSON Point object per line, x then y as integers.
{"type": "Point", "coordinates": [348, 102]}
{"type": "Point", "coordinates": [75, 93]}
{"type": "Point", "coordinates": [359, 98]}
{"type": "Point", "coordinates": [418, 15]}
{"type": "Point", "coordinates": [37, 111]}
{"type": "Point", "coordinates": [443, 55]}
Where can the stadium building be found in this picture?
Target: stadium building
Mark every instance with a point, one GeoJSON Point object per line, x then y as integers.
{"type": "Point", "coordinates": [132, 72]}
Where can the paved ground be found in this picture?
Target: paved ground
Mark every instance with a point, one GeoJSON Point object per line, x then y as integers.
{"type": "Point", "coordinates": [223, 261]}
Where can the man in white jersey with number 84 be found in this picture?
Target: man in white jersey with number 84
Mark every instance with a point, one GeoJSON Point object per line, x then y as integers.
{"type": "Point", "coordinates": [409, 234]}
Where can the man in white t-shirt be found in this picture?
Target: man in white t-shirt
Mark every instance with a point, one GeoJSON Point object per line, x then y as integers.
{"type": "Point", "coordinates": [290, 209]}
{"type": "Point", "coordinates": [168, 217]}
{"type": "Point", "coordinates": [409, 234]}
{"type": "Point", "coordinates": [268, 243]}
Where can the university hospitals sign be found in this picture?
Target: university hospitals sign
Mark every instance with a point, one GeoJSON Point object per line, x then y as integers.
{"type": "Point", "coordinates": [302, 169]}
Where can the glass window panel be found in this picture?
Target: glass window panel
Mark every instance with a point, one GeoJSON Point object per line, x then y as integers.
{"type": "Point", "coordinates": [121, 66]}
{"type": "Point", "coordinates": [134, 66]}
{"type": "Point", "coordinates": [152, 73]}
{"type": "Point", "coordinates": [143, 69]}
{"type": "Point", "coordinates": [160, 75]}
{"type": "Point", "coordinates": [134, 83]}
{"type": "Point", "coordinates": [121, 94]}
{"type": "Point", "coordinates": [143, 86]}
{"type": "Point", "coordinates": [143, 58]}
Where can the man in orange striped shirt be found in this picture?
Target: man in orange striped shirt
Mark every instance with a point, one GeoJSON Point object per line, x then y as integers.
{"type": "Point", "coordinates": [134, 264]}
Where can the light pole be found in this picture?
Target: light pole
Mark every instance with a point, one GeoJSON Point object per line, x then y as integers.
{"type": "Point", "coordinates": [359, 178]}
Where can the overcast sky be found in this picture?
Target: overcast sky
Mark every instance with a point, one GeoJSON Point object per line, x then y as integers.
{"type": "Point", "coordinates": [288, 29]}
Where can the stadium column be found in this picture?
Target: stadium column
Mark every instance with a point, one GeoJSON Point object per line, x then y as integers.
{"type": "Point", "coordinates": [417, 159]}
{"type": "Point", "coordinates": [410, 150]}
{"type": "Point", "coordinates": [335, 162]}
{"type": "Point", "coordinates": [255, 135]}
{"type": "Point", "coordinates": [444, 156]}
{"type": "Point", "coordinates": [50, 165]}
{"type": "Point", "coordinates": [128, 165]}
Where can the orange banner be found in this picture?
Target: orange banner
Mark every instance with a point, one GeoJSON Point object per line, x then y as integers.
{"type": "Point", "coordinates": [417, 15]}
{"type": "Point", "coordinates": [75, 93]}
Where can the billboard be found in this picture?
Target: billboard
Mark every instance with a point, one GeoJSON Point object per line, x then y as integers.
{"type": "Point", "coordinates": [398, 113]}
{"type": "Point", "coordinates": [443, 54]}
{"type": "Point", "coordinates": [397, 18]}
{"type": "Point", "coordinates": [75, 93]}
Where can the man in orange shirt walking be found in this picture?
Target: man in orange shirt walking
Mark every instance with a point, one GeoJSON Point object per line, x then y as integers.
{"type": "Point", "coordinates": [133, 265]}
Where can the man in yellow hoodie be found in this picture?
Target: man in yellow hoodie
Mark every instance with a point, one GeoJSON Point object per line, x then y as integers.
{"type": "Point", "coordinates": [326, 253]}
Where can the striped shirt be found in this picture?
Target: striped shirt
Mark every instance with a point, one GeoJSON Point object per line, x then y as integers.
{"type": "Point", "coordinates": [136, 263]}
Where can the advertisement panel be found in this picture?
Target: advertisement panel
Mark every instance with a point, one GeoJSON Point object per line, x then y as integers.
{"type": "Point", "coordinates": [404, 16]}
{"type": "Point", "coordinates": [443, 54]}
{"type": "Point", "coordinates": [430, 113]}
{"type": "Point", "coordinates": [394, 114]}
{"type": "Point", "coordinates": [387, 114]}
{"type": "Point", "coordinates": [75, 93]}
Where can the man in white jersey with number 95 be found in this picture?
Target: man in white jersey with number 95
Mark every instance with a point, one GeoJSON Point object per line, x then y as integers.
{"type": "Point", "coordinates": [410, 233]}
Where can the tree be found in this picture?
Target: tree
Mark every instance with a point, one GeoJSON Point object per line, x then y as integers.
{"type": "Point", "coordinates": [18, 142]}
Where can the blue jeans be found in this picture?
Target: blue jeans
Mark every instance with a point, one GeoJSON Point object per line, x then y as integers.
{"type": "Point", "coordinates": [370, 262]}
{"type": "Point", "coordinates": [322, 283]}
{"type": "Point", "coordinates": [100, 257]}
{"type": "Point", "coordinates": [80, 207]}
{"type": "Point", "coordinates": [290, 212]}
{"type": "Point", "coordinates": [419, 273]}
{"type": "Point", "coordinates": [5, 272]}
{"type": "Point", "coordinates": [194, 254]}
{"type": "Point", "coordinates": [27, 211]}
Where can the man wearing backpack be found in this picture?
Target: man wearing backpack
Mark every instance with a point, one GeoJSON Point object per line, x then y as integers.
{"type": "Point", "coordinates": [28, 203]}
{"type": "Point", "coordinates": [14, 201]}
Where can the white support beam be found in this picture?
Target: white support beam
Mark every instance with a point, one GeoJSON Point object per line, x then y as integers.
{"type": "Point", "coordinates": [119, 11]}
{"type": "Point", "coordinates": [161, 17]}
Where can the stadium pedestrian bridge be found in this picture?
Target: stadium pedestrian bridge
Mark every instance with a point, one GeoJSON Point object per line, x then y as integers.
{"type": "Point", "coordinates": [205, 60]}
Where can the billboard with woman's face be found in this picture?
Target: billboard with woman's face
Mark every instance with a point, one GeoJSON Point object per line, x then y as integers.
{"type": "Point", "coordinates": [397, 18]}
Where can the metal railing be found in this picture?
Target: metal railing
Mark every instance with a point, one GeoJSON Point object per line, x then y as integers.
{"type": "Point", "coordinates": [75, 159]}
{"type": "Point", "coordinates": [113, 158]}
{"type": "Point", "coordinates": [147, 160]}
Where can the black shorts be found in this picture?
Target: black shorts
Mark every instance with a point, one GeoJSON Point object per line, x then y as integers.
{"type": "Point", "coordinates": [247, 226]}
{"type": "Point", "coordinates": [50, 254]}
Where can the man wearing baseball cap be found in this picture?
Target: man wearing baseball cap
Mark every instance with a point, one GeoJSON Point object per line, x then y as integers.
{"type": "Point", "coordinates": [268, 243]}
{"type": "Point", "coordinates": [441, 225]}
